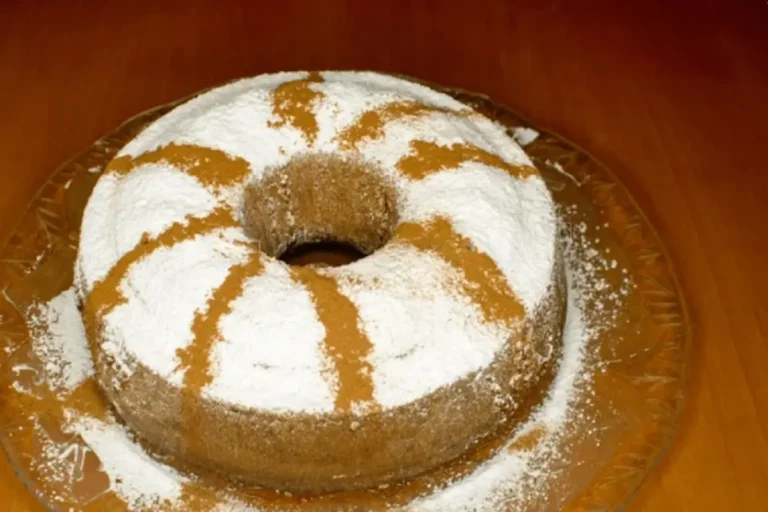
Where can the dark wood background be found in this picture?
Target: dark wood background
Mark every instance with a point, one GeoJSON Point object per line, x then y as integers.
{"type": "Point", "coordinates": [671, 95]}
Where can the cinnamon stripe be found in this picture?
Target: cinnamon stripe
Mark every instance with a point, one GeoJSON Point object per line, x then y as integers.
{"type": "Point", "coordinates": [345, 342]}
{"type": "Point", "coordinates": [106, 294]}
{"type": "Point", "coordinates": [428, 158]}
{"type": "Point", "coordinates": [370, 125]}
{"type": "Point", "coordinates": [484, 283]}
{"type": "Point", "coordinates": [293, 103]}
{"type": "Point", "coordinates": [213, 167]}
{"type": "Point", "coordinates": [195, 359]}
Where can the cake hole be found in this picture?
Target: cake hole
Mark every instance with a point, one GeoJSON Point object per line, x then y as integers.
{"type": "Point", "coordinates": [321, 209]}
{"type": "Point", "coordinates": [321, 254]}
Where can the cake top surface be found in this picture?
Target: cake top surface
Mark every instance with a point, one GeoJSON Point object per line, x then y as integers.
{"type": "Point", "coordinates": [179, 285]}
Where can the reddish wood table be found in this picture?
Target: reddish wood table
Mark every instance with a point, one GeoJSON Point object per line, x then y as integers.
{"type": "Point", "coordinates": [673, 99]}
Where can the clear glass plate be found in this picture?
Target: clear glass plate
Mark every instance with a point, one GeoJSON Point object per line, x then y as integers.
{"type": "Point", "coordinates": [637, 394]}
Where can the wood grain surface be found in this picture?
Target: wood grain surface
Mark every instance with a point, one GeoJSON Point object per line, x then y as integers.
{"type": "Point", "coordinates": [671, 96]}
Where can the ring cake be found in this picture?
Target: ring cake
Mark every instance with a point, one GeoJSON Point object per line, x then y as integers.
{"type": "Point", "coordinates": [222, 357]}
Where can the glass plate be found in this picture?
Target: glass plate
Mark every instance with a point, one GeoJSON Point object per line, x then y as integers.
{"type": "Point", "coordinates": [637, 394]}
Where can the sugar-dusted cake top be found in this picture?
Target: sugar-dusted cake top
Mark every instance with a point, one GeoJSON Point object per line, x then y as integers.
{"type": "Point", "coordinates": [180, 277]}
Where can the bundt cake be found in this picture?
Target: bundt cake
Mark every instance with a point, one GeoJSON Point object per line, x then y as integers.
{"type": "Point", "coordinates": [222, 357]}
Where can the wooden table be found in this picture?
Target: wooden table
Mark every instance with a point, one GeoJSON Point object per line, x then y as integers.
{"type": "Point", "coordinates": [673, 99]}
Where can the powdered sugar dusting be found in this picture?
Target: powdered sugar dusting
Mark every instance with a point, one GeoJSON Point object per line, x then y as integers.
{"type": "Point", "coordinates": [59, 341]}
{"type": "Point", "coordinates": [489, 486]}
{"type": "Point", "coordinates": [163, 298]}
{"type": "Point", "coordinates": [524, 136]}
{"type": "Point", "coordinates": [168, 194]}
{"type": "Point", "coordinates": [199, 120]}
{"type": "Point", "coordinates": [516, 477]}
{"type": "Point", "coordinates": [409, 286]}
{"type": "Point", "coordinates": [134, 476]}
{"type": "Point", "coordinates": [524, 221]}
{"type": "Point", "coordinates": [280, 366]}
{"type": "Point", "coordinates": [58, 333]}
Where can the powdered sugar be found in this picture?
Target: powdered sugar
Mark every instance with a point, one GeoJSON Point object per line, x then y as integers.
{"type": "Point", "coordinates": [281, 366]}
{"type": "Point", "coordinates": [523, 225]}
{"type": "Point", "coordinates": [518, 477]}
{"type": "Point", "coordinates": [443, 129]}
{"type": "Point", "coordinates": [141, 482]}
{"type": "Point", "coordinates": [168, 194]}
{"type": "Point", "coordinates": [409, 286]}
{"type": "Point", "coordinates": [165, 298]}
{"type": "Point", "coordinates": [524, 136]}
{"type": "Point", "coordinates": [200, 121]}
{"type": "Point", "coordinates": [58, 340]}
{"type": "Point", "coordinates": [491, 485]}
